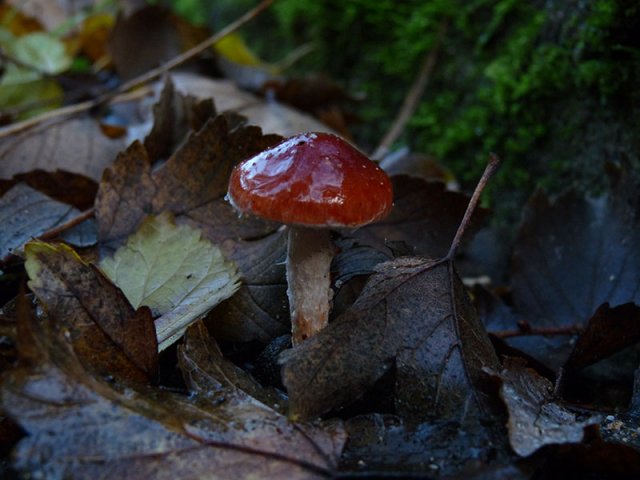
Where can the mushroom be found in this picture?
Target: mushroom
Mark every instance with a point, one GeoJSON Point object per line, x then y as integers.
{"type": "Point", "coordinates": [311, 182]}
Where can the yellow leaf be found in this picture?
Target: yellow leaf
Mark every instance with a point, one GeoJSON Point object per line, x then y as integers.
{"type": "Point", "coordinates": [174, 271]}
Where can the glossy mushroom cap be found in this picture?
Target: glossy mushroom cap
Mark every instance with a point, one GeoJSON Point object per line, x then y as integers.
{"type": "Point", "coordinates": [312, 179]}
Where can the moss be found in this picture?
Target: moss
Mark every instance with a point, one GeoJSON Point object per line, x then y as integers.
{"type": "Point", "coordinates": [548, 85]}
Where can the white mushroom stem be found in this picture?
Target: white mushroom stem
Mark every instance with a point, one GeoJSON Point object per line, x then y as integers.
{"type": "Point", "coordinates": [308, 263]}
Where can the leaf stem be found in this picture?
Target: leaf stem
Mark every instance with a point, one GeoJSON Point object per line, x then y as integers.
{"type": "Point", "coordinates": [489, 170]}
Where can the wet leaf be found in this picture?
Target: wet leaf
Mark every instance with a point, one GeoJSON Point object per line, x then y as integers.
{"type": "Point", "coordinates": [425, 216]}
{"type": "Point", "coordinates": [608, 331]}
{"type": "Point", "coordinates": [260, 309]}
{"type": "Point", "coordinates": [191, 184]}
{"type": "Point", "coordinates": [207, 372]}
{"type": "Point", "coordinates": [535, 417]}
{"type": "Point", "coordinates": [26, 213]}
{"type": "Point", "coordinates": [66, 187]}
{"type": "Point", "coordinates": [174, 116]}
{"type": "Point", "coordinates": [174, 271]}
{"type": "Point", "coordinates": [385, 445]}
{"type": "Point", "coordinates": [80, 427]}
{"type": "Point", "coordinates": [573, 255]}
{"type": "Point", "coordinates": [414, 313]}
{"type": "Point", "coordinates": [107, 333]}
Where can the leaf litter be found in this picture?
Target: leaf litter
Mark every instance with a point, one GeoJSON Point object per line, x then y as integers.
{"type": "Point", "coordinates": [405, 333]}
{"type": "Point", "coordinates": [174, 271]}
{"type": "Point", "coordinates": [80, 426]}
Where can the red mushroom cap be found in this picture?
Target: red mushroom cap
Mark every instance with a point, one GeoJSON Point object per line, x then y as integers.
{"type": "Point", "coordinates": [313, 179]}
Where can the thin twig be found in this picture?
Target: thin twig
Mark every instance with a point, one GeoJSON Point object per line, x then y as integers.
{"type": "Point", "coordinates": [566, 330]}
{"type": "Point", "coordinates": [141, 79]}
{"type": "Point", "coordinates": [69, 110]}
{"type": "Point", "coordinates": [54, 232]}
{"type": "Point", "coordinates": [414, 95]}
{"type": "Point", "coordinates": [489, 170]}
{"type": "Point", "coordinates": [194, 51]}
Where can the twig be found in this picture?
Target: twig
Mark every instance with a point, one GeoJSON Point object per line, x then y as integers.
{"type": "Point", "coordinates": [141, 79]}
{"type": "Point", "coordinates": [68, 111]}
{"type": "Point", "coordinates": [192, 52]}
{"type": "Point", "coordinates": [54, 232]}
{"type": "Point", "coordinates": [489, 170]}
{"type": "Point", "coordinates": [566, 330]}
{"type": "Point", "coordinates": [413, 96]}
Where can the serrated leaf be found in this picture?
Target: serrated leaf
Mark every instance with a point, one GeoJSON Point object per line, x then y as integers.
{"type": "Point", "coordinates": [171, 269]}
{"type": "Point", "coordinates": [107, 334]}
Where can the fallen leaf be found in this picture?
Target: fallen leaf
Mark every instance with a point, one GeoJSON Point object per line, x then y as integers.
{"type": "Point", "coordinates": [174, 271]}
{"type": "Point", "coordinates": [66, 187]}
{"type": "Point", "coordinates": [174, 116]}
{"type": "Point", "coordinates": [260, 309]}
{"type": "Point", "coordinates": [191, 184]}
{"type": "Point", "coordinates": [207, 372]}
{"type": "Point", "coordinates": [608, 331]}
{"type": "Point", "coordinates": [312, 93]}
{"type": "Point", "coordinates": [49, 13]}
{"type": "Point", "coordinates": [573, 255]}
{"type": "Point", "coordinates": [106, 332]}
{"type": "Point", "coordinates": [384, 446]}
{"type": "Point", "coordinates": [26, 213]}
{"type": "Point", "coordinates": [42, 51]}
{"type": "Point", "coordinates": [272, 117]}
{"type": "Point", "coordinates": [237, 62]}
{"type": "Point", "coordinates": [76, 145]}
{"type": "Point", "coordinates": [142, 40]}
{"type": "Point", "coordinates": [535, 417]}
{"type": "Point", "coordinates": [80, 427]}
{"type": "Point", "coordinates": [425, 216]}
{"type": "Point", "coordinates": [412, 312]}
{"type": "Point", "coordinates": [94, 34]}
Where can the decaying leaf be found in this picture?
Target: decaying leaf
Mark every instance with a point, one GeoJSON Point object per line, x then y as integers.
{"type": "Point", "coordinates": [76, 145]}
{"type": "Point", "coordinates": [26, 213]}
{"type": "Point", "coordinates": [272, 117]}
{"type": "Point", "coordinates": [260, 310]}
{"type": "Point", "coordinates": [573, 255]}
{"type": "Point", "coordinates": [535, 418]}
{"type": "Point", "coordinates": [207, 372]}
{"type": "Point", "coordinates": [143, 40]}
{"type": "Point", "coordinates": [414, 313]}
{"type": "Point", "coordinates": [435, 449]}
{"type": "Point", "coordinates": [174, 271]}
{"type": "Point", "coordinates": [174, 116]}
{"type": "Point", "coordinates": [425, 217]}
{"type": "Point", "coordinates": [66, 187]}
{"type": "Point", "coordinates": [107, 333]}
{"type": "Point", "coordinates": [191, 184]}
{"type": "Point", "coordinates": [80, 427]}
{"type": "Point", "coordinates": [608, 331]}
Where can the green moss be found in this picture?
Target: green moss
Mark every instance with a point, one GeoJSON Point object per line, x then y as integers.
{"type": "Point", "coordinates": [550, 86]}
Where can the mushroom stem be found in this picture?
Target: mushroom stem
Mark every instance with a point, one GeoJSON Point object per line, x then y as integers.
{"type": "Point", "coordinates": [308, 263]}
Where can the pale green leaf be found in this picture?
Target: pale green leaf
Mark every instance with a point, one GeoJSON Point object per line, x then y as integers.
{"type": "Point", "coordinates": [174, 271]}
{"type": "Point", "coordinates": [42, 51]}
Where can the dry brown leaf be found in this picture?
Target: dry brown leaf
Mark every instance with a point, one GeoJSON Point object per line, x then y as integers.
{"type": "Point", "coordinates": [76, 145]}
{"type": "Point", "coordinates": [192, 185]}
